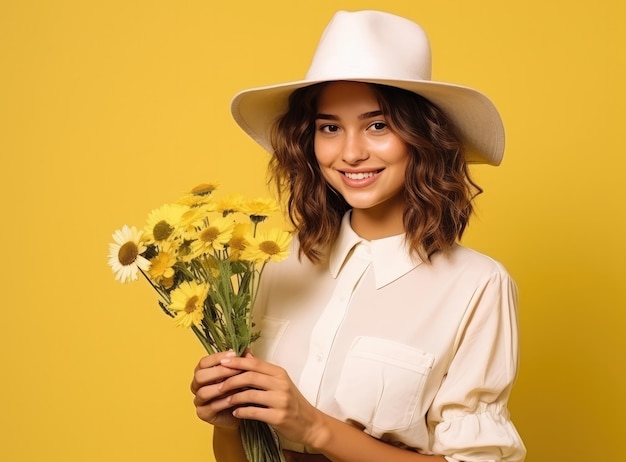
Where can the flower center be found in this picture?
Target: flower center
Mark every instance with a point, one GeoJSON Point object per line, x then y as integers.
{"type": "Point", "coordinates": [190, 307]}
{"type": "Point", "coordinates": [162, 230]}
{"type": "Point", "coordinates": [209, 234]}
{"type": "Point", "coordinates": [128, 253]}
{"type": "Point", "coordinates": [269, 247]}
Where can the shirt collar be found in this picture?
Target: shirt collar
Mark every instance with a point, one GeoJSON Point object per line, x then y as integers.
{"type": "Point", "coordinates": [390, 256]}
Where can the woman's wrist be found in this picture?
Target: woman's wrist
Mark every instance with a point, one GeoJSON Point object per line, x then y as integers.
{"type": "Point", "coordinates": [321, 432]}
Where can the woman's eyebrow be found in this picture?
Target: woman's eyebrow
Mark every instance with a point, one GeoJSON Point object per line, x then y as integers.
{"type": "Point", "coordinates": [369, 115]}
{"type": "Point", "coordinates": [365, 115]}
{"type": "Point", "coordinates": [326, 117]}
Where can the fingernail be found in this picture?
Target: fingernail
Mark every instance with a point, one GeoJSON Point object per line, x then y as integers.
{"type": "Point", "coordinates": [231, 354]}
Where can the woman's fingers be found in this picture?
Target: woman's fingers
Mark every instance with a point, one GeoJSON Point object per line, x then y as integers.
{"type": "Point", "coordinates": [211, 376]}
{"type": "Point", "coordinates": [261, 386]}
{"type": "Point", "coordinates": [212, 404]}
{"type": "Point", "coordinates": [256, 374]}
{"type": "Point", "coordinates": [248, 362]}
{"type": "Point", "coordinates": [263, 391]}
{"type": "Point", "coordinates": [209, 370]}
{"type": "Point", "coordinates": [214, 359]}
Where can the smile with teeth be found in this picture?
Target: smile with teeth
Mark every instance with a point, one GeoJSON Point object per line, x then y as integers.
{"type": "Point", "coordinates": [360, 175]}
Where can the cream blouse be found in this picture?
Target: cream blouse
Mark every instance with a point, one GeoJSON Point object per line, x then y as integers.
{"type": "Point", "coordinates": [419, 355]}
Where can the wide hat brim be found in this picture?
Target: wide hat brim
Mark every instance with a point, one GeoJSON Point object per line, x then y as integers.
{"type": "Point", "coordinates": [474, 115]}
{"type": "Point", "coordinates": [378, 47]}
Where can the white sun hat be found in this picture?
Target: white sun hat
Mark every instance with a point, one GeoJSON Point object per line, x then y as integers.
{"type": "Point", "coordinates": [377, 47]}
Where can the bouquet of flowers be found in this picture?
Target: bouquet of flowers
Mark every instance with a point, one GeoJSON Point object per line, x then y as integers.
{"type": "Point", "coordinates": [204, 257]}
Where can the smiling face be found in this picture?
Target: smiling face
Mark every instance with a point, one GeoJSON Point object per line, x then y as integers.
{"type": "Point", "coordinates": [359, 155]}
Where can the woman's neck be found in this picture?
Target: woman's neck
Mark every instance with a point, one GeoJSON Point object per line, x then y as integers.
{"type": "Point", "coordinates": [378, 222]}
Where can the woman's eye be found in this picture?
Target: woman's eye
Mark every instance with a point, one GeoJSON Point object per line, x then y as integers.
{"type": "Point", "coordinates": [329, 128]}
{"type": "Point", "coordinates": [378, 126]}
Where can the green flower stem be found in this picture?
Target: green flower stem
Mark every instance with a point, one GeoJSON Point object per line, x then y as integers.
{"type": "Point", "coordinates": [159, 290]}
{"type": "Point", "coordinates": [260, 442]}
{"type": "Point", "coordinates": [205, 343]}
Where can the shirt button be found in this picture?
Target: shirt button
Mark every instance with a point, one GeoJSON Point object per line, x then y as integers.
{"type": "Point", "coordinates": [319, 357]}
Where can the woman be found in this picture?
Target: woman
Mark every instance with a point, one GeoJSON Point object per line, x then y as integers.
{"type": "Point", "coordinates": [382, 337]}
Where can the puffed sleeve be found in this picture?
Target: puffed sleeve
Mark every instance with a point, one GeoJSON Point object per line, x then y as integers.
{"type": "Point", "coordinates": [469, 419]}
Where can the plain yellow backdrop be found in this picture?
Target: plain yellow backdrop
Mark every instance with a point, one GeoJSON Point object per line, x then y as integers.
{"type": "Point", "coordinates": [109, 109]}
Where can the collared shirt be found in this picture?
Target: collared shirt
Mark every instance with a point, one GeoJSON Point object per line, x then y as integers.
{"type": "Point", "coordinates": [421, 355]}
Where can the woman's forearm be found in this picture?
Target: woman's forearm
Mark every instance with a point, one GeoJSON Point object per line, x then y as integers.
{"type": "Point", "coordinates": [227, 445]}
{"type": "Point", "coordinates": [341, 442]}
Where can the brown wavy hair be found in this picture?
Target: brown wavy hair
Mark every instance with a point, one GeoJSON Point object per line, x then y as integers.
{"type": "Point", "coordinates": [439, 190]}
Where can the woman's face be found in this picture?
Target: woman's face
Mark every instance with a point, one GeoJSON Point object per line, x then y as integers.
{"type": "Point", "coordinates": [358, 154]}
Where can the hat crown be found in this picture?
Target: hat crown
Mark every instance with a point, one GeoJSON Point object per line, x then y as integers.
{"type": "Point", "coordinates": [371, 44]}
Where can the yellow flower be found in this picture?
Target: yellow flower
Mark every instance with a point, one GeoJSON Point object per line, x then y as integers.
{"type": "Point", "coordinates": [167, 283]}
{"type": "Point", "coordinates": [161, 266]}
{"type": "Point", "coordinates": [204, 189]}
{"type": "Point", "coordinates": [238, 241]}
{"type": "Point", "coordinates": [213, 236]}
{"type": "Point", "coordinates": [192, 220]}
{"type": "Point", "coordinates": [260, 207]}
{"type": "Point", "coordinates": [188, 303]}
{"type": "Point", "coordinates": [125, 256]}
{"type": "Point", "coordinates": [267, 245]}
{"type": "Point", "coordinates": [230, 204]}
{"type": "Point", "coordinates": [200, 195]}
{"type": "Point", "coordinates": [162, 222]}
{"type": "Point", "coordinates": [191, 200]}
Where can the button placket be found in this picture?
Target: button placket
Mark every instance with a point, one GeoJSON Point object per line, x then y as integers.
{"type": "Point", "coordinates": [325, 330]}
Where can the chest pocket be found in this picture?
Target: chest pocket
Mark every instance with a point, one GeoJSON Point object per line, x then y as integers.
{"type": "Point", "coordinates": [381, 383]}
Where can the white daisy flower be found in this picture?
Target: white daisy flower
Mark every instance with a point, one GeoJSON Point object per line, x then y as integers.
{"type": "Point", "coordinates": [125, 256]}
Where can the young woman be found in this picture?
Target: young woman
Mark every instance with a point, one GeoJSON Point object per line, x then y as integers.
{"type": "Point", "coordinates": [382, 338]}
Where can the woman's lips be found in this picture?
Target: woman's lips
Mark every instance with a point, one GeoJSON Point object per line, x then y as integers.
{"type": "Point", "coordinates": [360, 178]}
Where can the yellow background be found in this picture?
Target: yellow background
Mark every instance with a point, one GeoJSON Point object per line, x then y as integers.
{"type": "Point", "coordinates": [109, 109]}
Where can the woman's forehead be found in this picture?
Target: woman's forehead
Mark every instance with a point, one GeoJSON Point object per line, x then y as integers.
{"type": "Point", "coordinates": [343, 96]}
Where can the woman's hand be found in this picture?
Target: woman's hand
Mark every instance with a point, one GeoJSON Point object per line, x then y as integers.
{"type": "Point", "coordinates": [263, 391]}
{"type": "Point", "coordinates": [212, 404]}
{"type": "Point", "coordinates": [229, 388]}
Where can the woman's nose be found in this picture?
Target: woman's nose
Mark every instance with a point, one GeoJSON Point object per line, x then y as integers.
{"type": "Point", "coordinates": [354, 149]}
